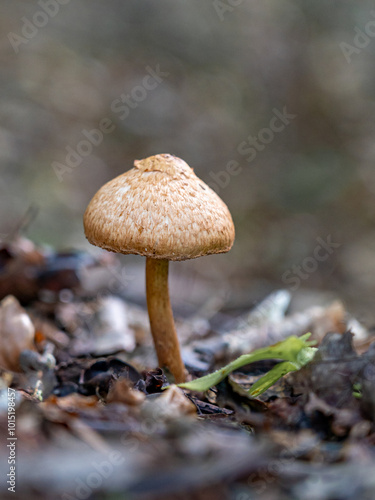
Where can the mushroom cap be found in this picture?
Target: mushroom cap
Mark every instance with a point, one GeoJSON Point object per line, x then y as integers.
{"type": "Point", "coordinates": [159, 209]}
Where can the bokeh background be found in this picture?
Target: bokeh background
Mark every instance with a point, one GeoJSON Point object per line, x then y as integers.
{"type": "Point", "coordinates": [227, 66]}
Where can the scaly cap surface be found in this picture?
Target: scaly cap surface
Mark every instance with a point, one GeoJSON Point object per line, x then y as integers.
{"type": "Point", "coordinates": [159, 209]}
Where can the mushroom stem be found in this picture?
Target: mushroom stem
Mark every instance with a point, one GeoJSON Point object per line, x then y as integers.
{"type": "Point", "coordinates": [161, 318]}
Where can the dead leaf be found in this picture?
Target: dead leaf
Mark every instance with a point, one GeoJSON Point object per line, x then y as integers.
{"type": "Point", "coordinates": [71, 403]}
{"type": "Point", "coordinates": [121, 391]}
{"type": "Point", "coordinates": [16, 333]}
{"type": "Point", "coordinates": [177, 403]}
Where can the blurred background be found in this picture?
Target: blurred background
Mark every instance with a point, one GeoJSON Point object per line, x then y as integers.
{"type": "Point", "coordinates": [272, 103]}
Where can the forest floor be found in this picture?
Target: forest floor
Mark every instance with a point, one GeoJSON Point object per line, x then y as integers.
{"type": "Point", "coordinates": [84, 412]}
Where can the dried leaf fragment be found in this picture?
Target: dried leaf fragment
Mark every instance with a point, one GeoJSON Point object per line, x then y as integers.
{"type": "Point", "coordinates": [121, 391]}
{"type": "Point", "coordinates": [16, 333]}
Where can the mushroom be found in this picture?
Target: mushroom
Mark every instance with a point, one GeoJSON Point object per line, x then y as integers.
{"type": "Point", "coordinates": [162, 210]}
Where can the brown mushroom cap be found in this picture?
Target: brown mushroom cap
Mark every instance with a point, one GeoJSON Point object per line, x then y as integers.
{"type": "Point", "coordinates": [159, 209]}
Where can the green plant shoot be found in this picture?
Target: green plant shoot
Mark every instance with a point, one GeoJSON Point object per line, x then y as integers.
{"type": "Point", "coordinates": [295, 352]}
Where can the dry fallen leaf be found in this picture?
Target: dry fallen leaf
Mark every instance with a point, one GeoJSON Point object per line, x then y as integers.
{"type": "Point", "coordinates": [121, 391]}
{"type": "Point", "coordinates": [63, 409]}
{"type": "Point", "coordinates": [16, 333]}
{"type": "Point", "coordinates": [176, 403]}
